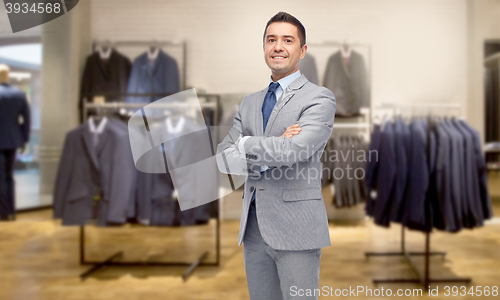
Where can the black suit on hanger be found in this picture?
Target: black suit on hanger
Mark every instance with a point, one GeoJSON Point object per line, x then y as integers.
{"type": "Point", "coordinates": [102, 77]}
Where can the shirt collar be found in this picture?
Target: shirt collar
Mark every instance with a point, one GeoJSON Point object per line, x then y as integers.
{"type": "Point", "coordinates": [178, 127]}
{"type": "Point", "coordinates": [100, 127]}
{"type": "Point", "coordinates": [285, 81]}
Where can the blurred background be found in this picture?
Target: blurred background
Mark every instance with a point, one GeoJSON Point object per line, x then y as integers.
{"type": "Point", "coordinates": [384, 60]}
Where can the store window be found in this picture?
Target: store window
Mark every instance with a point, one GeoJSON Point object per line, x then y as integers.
{"type": "Point", "coordinates": [24, 61]}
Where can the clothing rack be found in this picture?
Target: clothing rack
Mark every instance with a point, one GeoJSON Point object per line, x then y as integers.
{"type": "Point", "coordinates": [113, 260]}
{"type": "Point", "coordinates": [424, 279]}
{"type": "Point", "coordinates": [156, 43]}
{"type": "Point", "coordinates": [365, 126]}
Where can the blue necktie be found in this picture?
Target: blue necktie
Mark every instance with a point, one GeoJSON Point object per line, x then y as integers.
{"type": "Point", "coordinates": [267, 108]}
{"type": "Point", "coordinates": [269, 102]}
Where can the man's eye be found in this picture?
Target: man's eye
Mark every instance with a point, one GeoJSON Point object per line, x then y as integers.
{"type": "Point", "coordinates": [271, 40]}
{"type": "Point", "coordinates": [288, 41]}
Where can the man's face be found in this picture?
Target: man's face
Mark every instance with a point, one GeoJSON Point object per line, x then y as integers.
{"type": "Point", "coordinates": [282, 50]}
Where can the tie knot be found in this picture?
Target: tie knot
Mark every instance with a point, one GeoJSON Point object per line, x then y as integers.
{"type": "Point", "coordinates": [273, 86]}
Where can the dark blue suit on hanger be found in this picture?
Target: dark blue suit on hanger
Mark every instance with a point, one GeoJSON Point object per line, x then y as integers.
{"type": "Point", "coordinates": [386, 176]}
{"type": "Point", "coordinates": [160, 76]}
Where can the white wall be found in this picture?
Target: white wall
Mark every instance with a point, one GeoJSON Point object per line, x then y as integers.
{"type": "Point", "coordinates": [419, 47]}
{"type": "Point", "coordinates": [483, 24]}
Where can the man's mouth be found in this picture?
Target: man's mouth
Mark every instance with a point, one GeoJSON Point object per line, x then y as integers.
{"type": "Point", "coordinates": [278, 57]}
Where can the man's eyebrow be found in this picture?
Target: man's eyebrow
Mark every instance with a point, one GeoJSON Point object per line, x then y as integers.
{"type": "Point", "coordinates": [286, 36]}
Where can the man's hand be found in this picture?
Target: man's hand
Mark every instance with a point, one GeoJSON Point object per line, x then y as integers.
{"type": "Point", "coordinates": [291, 131]}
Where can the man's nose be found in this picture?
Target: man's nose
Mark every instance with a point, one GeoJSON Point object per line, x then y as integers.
{"type": "Point", "coordinates": [279, 46]}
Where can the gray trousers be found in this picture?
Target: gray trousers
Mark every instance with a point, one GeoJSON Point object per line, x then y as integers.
{"type": "Point", "coordinates": [278, 274]}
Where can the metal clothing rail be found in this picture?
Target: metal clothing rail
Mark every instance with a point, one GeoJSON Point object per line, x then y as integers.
{"type": "Point", "coordinates": [114, 260]}
{"type": "Point", "coordinates": [424, 279]}
{"type": "Point", "coordinates": [146, 43]}
{"type": "Point", "coordinates": [118, 105]}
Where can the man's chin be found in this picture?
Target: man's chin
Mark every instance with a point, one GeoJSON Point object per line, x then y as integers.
{"type": "Point", "coordinates": [279, 70]}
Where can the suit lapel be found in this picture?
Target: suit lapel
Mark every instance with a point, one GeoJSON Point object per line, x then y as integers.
{"type": "Point", "coordinates": [288, 94]}
{"type": "Point", "coordinates": [87, 139]}
{"type": "Point", "coordinates": [156, 62]}
{"type": "Point", "coordinates": [260, 118]}
{"type": "Point", "coordinates": [103, 139]}
{"type": "Point", "coordinates": [106, 68]}
{"type": "Point", "coordinates": [344, 66]}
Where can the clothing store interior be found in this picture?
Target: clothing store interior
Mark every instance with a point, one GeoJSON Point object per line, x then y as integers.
{"type": "Point", "coordinates": [411, 172]}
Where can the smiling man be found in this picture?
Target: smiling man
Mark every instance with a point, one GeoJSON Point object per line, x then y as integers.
{"type": "Point", "coordinates": [277, 139]}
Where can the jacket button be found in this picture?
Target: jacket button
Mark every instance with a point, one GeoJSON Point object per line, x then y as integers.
{"type": "Point", "coordinates": [251, 189]}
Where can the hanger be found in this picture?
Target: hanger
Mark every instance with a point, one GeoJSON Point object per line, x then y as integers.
{"type": "Point", "coordinates": [153, 50]}
{"type": "Point", "coordinates": [99, 115]}
{"type": "Point", "coordinates": [346, 49]}
{"type": "Point", "coordinates": [104, 49]}
{"type": "Point", "coordinates": [177, 125]}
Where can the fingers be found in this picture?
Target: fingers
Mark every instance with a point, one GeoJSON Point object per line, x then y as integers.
{"type": "Point", "coordinates": [292, 130]}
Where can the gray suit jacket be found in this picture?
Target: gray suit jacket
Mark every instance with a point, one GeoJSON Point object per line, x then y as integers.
{"type": "Point", "coordinates": [348, 82]}
{"type": "Point", "coordinates": [290, 208]}
{"type": "Point", "coordinates": [85, 170]}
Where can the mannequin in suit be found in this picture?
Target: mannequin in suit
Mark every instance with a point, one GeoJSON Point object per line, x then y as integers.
{"type": "Point", "coordinates": [13, 135]}
{"type": "Point", "coordinates": [277, 139]}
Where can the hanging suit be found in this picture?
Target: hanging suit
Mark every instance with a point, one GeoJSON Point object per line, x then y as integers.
{"type": "Point", "coordinates": [101, 77]}
{"type": "Point", "coordinates": [161, 76]}
{"type": "Point", "coordinates": [307, 66]}
{"type": "Point", "coordinates": [372, 169]}
{"type": "Point", "coordinates": [348, 83]}
{"type": "Point", "coordinates": [386, 175]}
{"type": "Point", "coordinates": [86, 171]}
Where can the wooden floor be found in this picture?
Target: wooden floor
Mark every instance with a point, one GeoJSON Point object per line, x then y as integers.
{"type": "Point", "coordinates": [39, 259]}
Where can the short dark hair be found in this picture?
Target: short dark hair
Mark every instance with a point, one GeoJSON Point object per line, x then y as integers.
{"type": "Point", "coordinates": [288, 18]}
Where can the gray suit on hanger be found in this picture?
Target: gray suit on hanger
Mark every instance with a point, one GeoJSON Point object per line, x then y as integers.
{"type": "Point", "coordinates": [85, 170]}
{"type": "Point", "coordinates": [289, 205]}
{"type": "Point", "coordinates": [348, 82]}
{"type": "Point", "coordinates": [307, 66]}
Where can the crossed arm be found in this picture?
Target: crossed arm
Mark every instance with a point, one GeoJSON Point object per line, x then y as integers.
{"type": "Point", "coordinates": [314, 125]}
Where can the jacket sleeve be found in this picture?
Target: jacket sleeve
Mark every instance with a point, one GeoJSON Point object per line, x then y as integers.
{"type": "Point", "coordinates": [63, 177]}
{"type": "Point", "coordinates": [86, 85]}
{"type": "Point", "coordinates": [228, 157]}
{"type": "Point", "coordinates": [316, 122]}
{"type": "Point", "coordinates": [25, 127]}
{"type": "Point", "coordinates": [133, 83]}
{"type": "Point", "coordinates": [175, 78]}
{"type": "Point", "coordinates": [123, 178]}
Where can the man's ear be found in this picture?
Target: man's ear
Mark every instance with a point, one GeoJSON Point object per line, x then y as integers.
{"type": "Point", "coordinates": [303, 51]}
